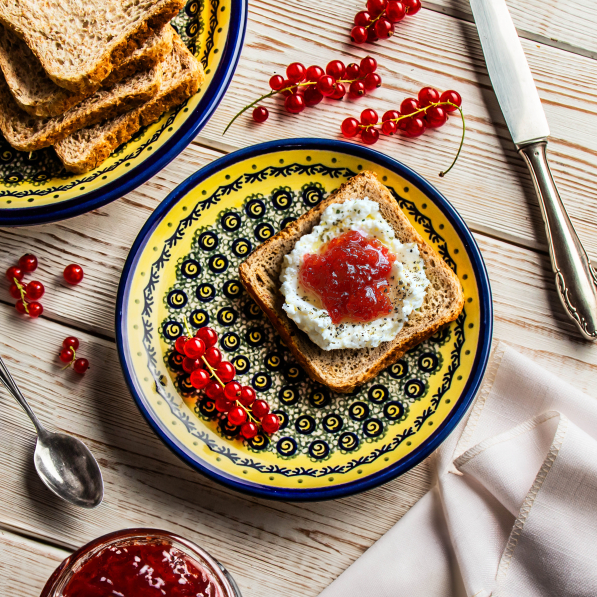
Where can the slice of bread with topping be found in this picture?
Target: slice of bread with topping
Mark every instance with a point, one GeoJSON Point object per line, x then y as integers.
{"type": "Point", "coordinates": [89, 147]}
{"type": "Point", "coordinates": [345, 369]}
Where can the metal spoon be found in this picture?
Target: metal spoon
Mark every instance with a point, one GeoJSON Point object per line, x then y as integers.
{"type": "Point", "coordinates": [63, 462]}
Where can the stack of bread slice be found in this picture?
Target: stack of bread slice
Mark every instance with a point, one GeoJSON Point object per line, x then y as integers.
{"type": "Point", "coordinates": [84, 77]}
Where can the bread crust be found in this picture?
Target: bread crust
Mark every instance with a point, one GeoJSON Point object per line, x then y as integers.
{"type": "Point", "coordinates": [264, 289]}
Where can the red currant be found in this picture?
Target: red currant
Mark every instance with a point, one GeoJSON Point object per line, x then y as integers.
{"type": "Point", "coordinates": [452, 97]}
{"type": "Point", "coordinates": [384, 28]}
{"type": "Point", "coordinates": [232, 390]}
{"type": "Point", "coordinates": [428, 96]}
{"type": "Point", "coordinates": [368, 65]}
{"type": "Point", "coordinates": [270, 423]}
{"type": "Point", "coordinates": [34, 290]}
{"type": "Point", "coordinates": [389, 127]}
{"type": "Point", "coordinates": [208, 335]}
{"type": "Point", "coordinates": [28, 262]}
{"type": "Point", "coordinates": [35, 310]}
{"type": "Point", "coordinates": [73, 273]}
{"type": "Point", "coordinates": [223, 404]}
{"type": "Point", "coordinates": [358, 35]}
{"type": "Point", "coordinates": [376, 7]}
{"type": "Point", "coordinates": [353, 71]}
{"type": "Point", "coordinates": [67, 354]}
{"type": "Point", "coordinates": [370, 136]}
{"type": "Point", "coordinates": [247, 396]}
{"type": "Point", "coordinates": [369, 116]}
{"type": "Point", "coordinates": [225, 371]}
{"type": "Point", "coordinates": [260, 114]}
{"type": "Point", "coordinates": [362, 19]}
{"type": "Point", "coordinates": [214, 389]}
{"type": "Point", "coordinates": [335, 69]}
{"type": "Point", "coordinates": [409, 105]}
{"type": "Point", "coordinates": [356, 89]}
{"type": "Point", "coordinates": [314, 73]}
{"type": "Point", "coordinates": [14, 272]}
{"type": "Point", "coordinates": [179, 344]}
{"type": "Point", "coordinates": [371, 35]}
{"type": "Point", "coordinates": [213, 356]}
{"type": "Point", "coordinates": [412, 6]}
{"type": "Point", "coordinates": [296, 72]}
{"type": "Point", "coordinates": [276, 82]}
{"type": "Point", "coordinates": [189, 365]}
{"type": "Point", "coordinates": [199, 378]}
{"type": "Point", "coordinates": [260, 409]}
{"type": "Point", "coordinates": [295, 104]}
{"type": "Point", "coordinates": [436, 116]}
{"type": "Point", "coordinates": [395, 11]}
{"type": "Point", "coordinates": [350, 127]}
{"type": "Point", "coordinates": [415, 127]}
{"type": "Point", "coordinates": [21, 307]}
{"type": "Point", "coordinates": [312, 96]}
{"type": "Point", "coordinates": [81, 365]}
{"type": "Point", "coordinates": [237, 415]}
{"type": "Point", "coordinates": [249, 430]}
{"type": "Point", "coordinates": [326, 85]}
{"type": "Point", "coordinates": [372, 81]}
{"type": "Point", "coordinates": [339, 92]}
{"type": "Point", "coordinates": [194, 348]}
{"type": "Point", "coordinates": [14, 291]}
{"type": "Point", "coordinates": [71, 342]}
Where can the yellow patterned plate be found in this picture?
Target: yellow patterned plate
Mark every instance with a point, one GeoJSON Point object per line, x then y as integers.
{"type": "Point", "coordinates": [34, 187]}
{"type": "Point", "coordinates": [183, 267]}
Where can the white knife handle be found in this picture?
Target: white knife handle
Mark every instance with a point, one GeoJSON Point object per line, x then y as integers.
{"type": "Point", "coordinates": [576, 279]}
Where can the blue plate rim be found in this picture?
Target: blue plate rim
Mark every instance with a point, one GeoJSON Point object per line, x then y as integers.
{"type": "Point", "coordinates": [150, 166]}
{"type": "Point", "coordinates": [471, 387]}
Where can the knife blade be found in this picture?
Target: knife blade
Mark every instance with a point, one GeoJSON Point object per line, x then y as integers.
{"type": "Point", "coordinates": [512, 81]}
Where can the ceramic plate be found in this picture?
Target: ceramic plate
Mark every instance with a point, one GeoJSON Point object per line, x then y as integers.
{"type": "Point", "coordinates": [183, 267]}
{"type": "Point", "coordinates": [34, 188]}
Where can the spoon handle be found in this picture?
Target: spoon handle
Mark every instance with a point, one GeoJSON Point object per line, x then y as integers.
{"type": "Point", "coordinates": [11, 386]}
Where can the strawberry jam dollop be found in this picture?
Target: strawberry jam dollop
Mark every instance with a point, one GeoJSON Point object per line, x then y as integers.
{"type": "Point", "coordinates": [350, 277]}
{"type": "Point", "coordinates": [141, 570]}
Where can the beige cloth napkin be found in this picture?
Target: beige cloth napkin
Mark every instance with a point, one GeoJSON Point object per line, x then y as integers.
{"type": "Point", "coordinates": [514, 510]}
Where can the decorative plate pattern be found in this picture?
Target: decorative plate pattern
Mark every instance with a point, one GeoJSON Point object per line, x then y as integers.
{"type": "Point", "coordinates": [183, 271]}
{"type": "Point", "coordinates": [35, 188]}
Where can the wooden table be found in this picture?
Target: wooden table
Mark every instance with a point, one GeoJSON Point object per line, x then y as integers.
{"type": "Point", "coordinates": [286, 549]}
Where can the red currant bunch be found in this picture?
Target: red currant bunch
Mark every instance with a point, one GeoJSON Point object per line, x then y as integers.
{"type": "Point", "coordinates": [27, 294]}
{"type": "Point", "coordinates": [238, 404]}
{"type": "Point", "coordinates": [378, 20]}
{"type": "Point", "coordinates": [429, 109]}
{"type": "Point", "coordinates": [68, 355]}
{"type": "Point", "coordinates": [306, 87]}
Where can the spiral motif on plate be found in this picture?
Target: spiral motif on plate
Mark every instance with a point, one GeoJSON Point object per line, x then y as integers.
{"type": "Point", "coordinates": [252, 311]}
{"type": "Point", "coordinates": [348, 441]}
{"type": "Point", "coordinates": [358, 411]}
{"type": "Point", "coordinates": [190, 269]}
{"type": "Point", "coordinates": [288, 395]}
{"type": "Point", "coordinates": [282, 199]}
{"type": "Point", "coordinates": [305, 425]}
{"type": "Point", "coordinates": [208, 241]}
{"type": "Point", "coordinates": [259, 442]}
{"type": "Point", "coordinates": [274, 362]}
{"type": "Point", "coordinates": [199, 318]}
{"type": "Point", "coordinates": [293, 373]}
{"type": "Point", "coordinates": [261, 381]}
{"type": "Point", "coordinates": [319, 398]}
{"type": "Point", "coordinates": [414, 388]}
{"type": "Point", "coordinates": [332, 423]}
{"type": "Point", "coordinates": [241, 247]}
{"type": "Point", "coordinates": [205, 292]}
{"type": "Point", "coordinates": [319, 449]}
{"type": "Point", "coordinates": [428, 362]}
{"type": "Point", "coordinates": [264, 231]}
{"type": "Point", "coordinates": [286, 221]}
{"type": "Point", "coordinates": [232, 289]}
{"type": "Point", "coordinates": [399, 370]}
{"type": "Point", "coordinates": [255, 337]}
{"type": "Point", "coordinates": [255, 209]}
{"type": "Point", "coordinates": [378, 394]}
{"type": "Point", "coordinates": [171, 330]}
{"type": "Point", "coordinates": [230, 342]}
{"type": "Point", "coordinates": [373, 428]}
{"type": "Point", "coordinates": [393, 411]}
{"type": "Point", "coordinates": [218, 264]}
{"type": "Point", "coordinates": [312, 195]}
{"type": "Point", "coordinates": [241, 363]}
{"type": "Point", "coordinates": [286, 446]}
{"type": "Point", "coordinates": [230, 221]}
{"type": "Point", "coordinates": [227, 316]}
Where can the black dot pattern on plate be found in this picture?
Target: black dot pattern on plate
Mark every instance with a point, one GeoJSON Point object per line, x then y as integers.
{"type": "Point", "coordinates": [311, 413]}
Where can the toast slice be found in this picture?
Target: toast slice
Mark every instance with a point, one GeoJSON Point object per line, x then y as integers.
{"type": "Point", "coordinates": [38, 95]}
{"type": "Point", "coordinates": [88, 148]}
{"type": "Point", "coordinates": [344, 370]}
{"type": "Point", "coordinates": [29, 133]}
{"type": "Point", "coordinates": [79, 43]}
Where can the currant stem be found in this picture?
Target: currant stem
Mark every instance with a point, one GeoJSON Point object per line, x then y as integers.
{"type": "Point", "coordinates": [23, 294]}
{"type": "Point", "coordinates": [273, 92]}
{"type": "Point", "coordinates": [72, 360]}
{"type": "Point", "coordinates": [442, 174]}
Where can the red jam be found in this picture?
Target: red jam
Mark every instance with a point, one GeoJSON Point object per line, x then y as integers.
{"type": "Point", "coordinates": [141, 570]}
{"type": "Point", "coordinates": [350, 276]}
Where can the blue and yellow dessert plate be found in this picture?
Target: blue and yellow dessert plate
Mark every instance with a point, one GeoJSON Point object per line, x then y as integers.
{"type": "Point", "coordinates": [183, 271]}
{"type": "Point", "coordinates": [34, 187]}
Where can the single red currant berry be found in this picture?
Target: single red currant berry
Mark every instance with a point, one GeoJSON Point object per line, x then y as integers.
{"type": "Point", "coordinates": [353, 71]}
{"type": "Point", "coordinates": [372, 81]}
{"type": "Point", "coordinates": [14, 291]}
{"type": "Point", "coordinates": [384, 28]}
{"type": "Point", "coordinates": [199, 378]}
{"type": "Point", "coordinates": [225, 371]}
{"type": "Point", "coordinates": [371, 35]}
{"type": "Point", "coordinates": [81, 365]}
{"type": "Point", "coordinates": [356, 89]}
{"type": "Point", "coordinates": [214, 389]}
{"type": "Point", "coordinates": [194, 348]}
{"type": "Point", "coordinates": [314, 73]}
{"type": "Point", "coordinates": [335, 69]}
{"type": "Point", "coordinates": [213, 356]}
{"type": "Point", "coordinates": [208, 335]}
{"type": "Point", "coordinates": [452, 97]}
{"type": "Point", "coordinates": [20, 307]}
{"type": "Point", "coordinates": [232, 390]}
{"type": "Point", "coordinates": [189, 365]}
{"type": "Point", "coordinates": [428, 96]}
{"type": "Point", "coordinates": [296, 72]}
{"type": "Point", "coordinates": [28, 262]}
{"type": "Point", "coordinates": [391, 115]}
{"type": "Point", "coordinates": [222, 404]}
{"type": "Point", "coordinates": [247, 396]}
{"type": "Point", "coordinates": [395, 11]}
{"type": "Point", "coordinates": [370, 136]}
{"type": "Point", "coordinates": [350, 127]}
{"type": "Point", "coordinates": [339, 92]}
{"type": "Point", "coordinates": [312, 96]}
{"type": "Point", "coordinates": [35, 309]}
{"type": "Point", "coordinates": [362, 19]}
{"type": "Point", "coordinates": [415, 127]}
{"type": "Point", "coordinates": [34, 290]}
{"type": "Point", "coordinates": [276, 82]}
{"type": "Point", "coordinates": [436, 116]}
{"type": "Point", "coordinates": [260, 114]}
{"type": "Point", "coordinates": [409, 106]}
{"type": "Point", "coordinates": [73, 273]}
{"type": "Point", "coordinates": [260, 409]}
{"type": "Point", "coordinates": [66, 355]}
{"type": "Point", "coordinates": [369, 116]}
{"type": "Point", "coordinates": [270, 423]}
{"type": "Point", "coordinates": [412, 7]}
{"type": "Point", "coordinates": [358, 35]}
{"type": "Point", "coordinates": [179, 344]}
{"type": "Point", "coordinates": [14, 272]}
{"type": "Point", "coordinates": [237, 415]}
{"type": "Point", "coordinates": [389, 127]}
{"type": "Point", "coordinates": [295, 104]}
{"type": "Point", "coordinates": [71, 342]}
{"type": "Point", "coordinates": [376, 7]}
{"type": "Point", "coordinates": [368, 65]}
{"type": "Point", "coordinates": [326, 85]}
{"type": "Point", "coordinates": [249, 430]}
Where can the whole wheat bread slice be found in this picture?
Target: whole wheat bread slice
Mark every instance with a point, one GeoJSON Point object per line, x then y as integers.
{"type": "Point", "coordinates": [344, 370]}
{"type": "Point", "coordinates": [80, 43]}
{"type": "Point", "coordinates": [88, 148]}
{"type": "Point", "coordinates": [29, 133]}
{"type": "Point", "coordinates": [38, 95]}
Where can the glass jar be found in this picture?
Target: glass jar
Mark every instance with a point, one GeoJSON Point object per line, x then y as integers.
{"type": "Point", "coordinates": [67, 569]}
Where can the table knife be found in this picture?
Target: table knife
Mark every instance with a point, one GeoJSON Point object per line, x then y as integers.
{"type": "Point", "coordinates": [576, 280]}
